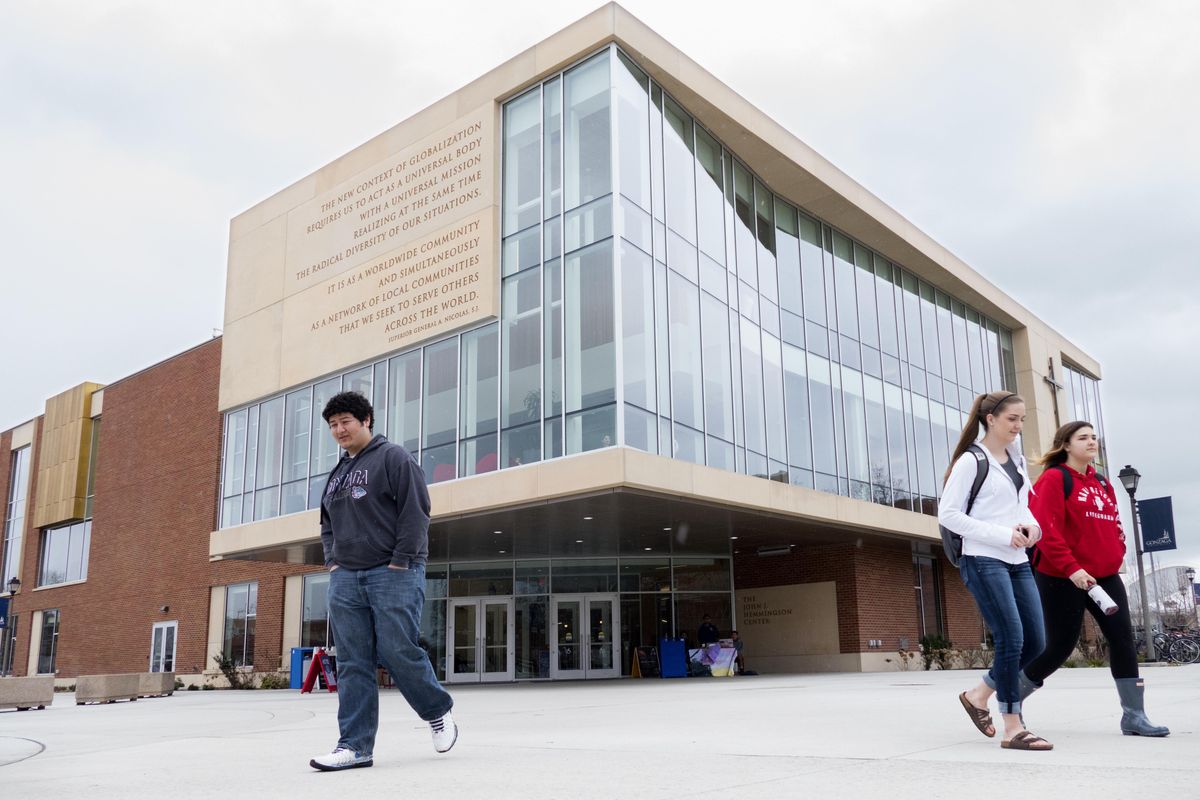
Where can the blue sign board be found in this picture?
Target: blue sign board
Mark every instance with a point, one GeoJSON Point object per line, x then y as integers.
{"type": "Point", "coordinates": [3, 612]}
{"type": "Point", "coordinates": [1158, 524]}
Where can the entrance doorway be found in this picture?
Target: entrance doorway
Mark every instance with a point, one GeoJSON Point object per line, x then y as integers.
{"type": "Point", "coordinates": [584, 636]}
{"type": "Point", "coordinates": [479, 631]}
{"type": "Point", "coordinates": [162, 646]}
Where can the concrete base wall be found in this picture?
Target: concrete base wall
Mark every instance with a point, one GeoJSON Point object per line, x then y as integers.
{"type": "Point", "coordinates": [107, 688]}
{"type": "Point", "coordinates": [26, 692]}
{"type": "Point", "coordinates": [156, 684]}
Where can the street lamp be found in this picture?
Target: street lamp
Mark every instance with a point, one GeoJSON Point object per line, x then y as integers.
{"type": "Point", "coordinates": [6, 641]}
{"type": "Point", "coordinates": [1190, 572]}
{"type": "Point", "coordinates": [1129, 479]}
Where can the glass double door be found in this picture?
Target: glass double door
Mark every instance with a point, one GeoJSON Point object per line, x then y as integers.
{"type": "Point", "coordinates": [162, 646]}
{"type": "Point", "coordinates": [480, 636]}
{"type": "Point", "coordinates": [585, 633]}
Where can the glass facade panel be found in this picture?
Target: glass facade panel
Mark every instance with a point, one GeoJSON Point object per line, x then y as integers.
{"type": "Point", "coordinates": [679, 161]}
{"type": "Point", "coordinates": [686, 373]}
{"type": "Point", "coordinates": [521, 359]}
{"type": "Point", "coordinates": [718, 382]}
{"type": "Point", "coordinates": [241, 615]}
{"type": "Point", "coordinates": [522, 164]}
{"type": "Point", "coordinates": [324, 449]}
{"type": "Point", "coordinates": [404, 400]}
{"type": "Point", "coordinates": [14, 513]}
{"type": "Point", "coordinates": [633, 125]}
{"type": "Point", "coordinates": [637, 326]}
{"type": "Point", "coordinates": [587, 132]}
{"type": "Point", "coordinates": [297, 428]}
{"type": "Point", "coordinates": [752, 388]}
{"type": "Point", "coordinates": [590, 362]}
{"type": "Point", "coordinates": [478, 400]}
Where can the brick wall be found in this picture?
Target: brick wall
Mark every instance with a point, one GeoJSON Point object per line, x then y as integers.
{"type": "Point", "coordinates": [874, 586]}
{"type": "Point", "coordinates": [964, 625]}
{"type": "Point", "coordinates": [157, 478]}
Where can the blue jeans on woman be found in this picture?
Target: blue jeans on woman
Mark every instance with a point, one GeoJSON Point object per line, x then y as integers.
{"type": "Point", "coordinates": [376, 616]}
{"type": "Point", "coordinates": [1008, 599]}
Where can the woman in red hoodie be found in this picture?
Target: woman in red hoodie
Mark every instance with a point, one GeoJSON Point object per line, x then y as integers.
{"type": "Point", "coordinates": [1083, 546]}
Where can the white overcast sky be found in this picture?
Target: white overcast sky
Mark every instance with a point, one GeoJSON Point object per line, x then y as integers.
{"type": "Point", "coordinates": [1053, 146]}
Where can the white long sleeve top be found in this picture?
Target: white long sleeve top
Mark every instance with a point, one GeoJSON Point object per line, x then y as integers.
{"type": "Point", "coordinates": [998, 507]}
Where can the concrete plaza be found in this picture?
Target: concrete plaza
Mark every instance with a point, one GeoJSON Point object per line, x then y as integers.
{"type": "Point", "coordinates": [894, 735]}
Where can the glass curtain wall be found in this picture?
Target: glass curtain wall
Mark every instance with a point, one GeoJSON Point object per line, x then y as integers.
{"type": "Point", "coordinates": [820, 363]}
{"type": "Point", "coordinates": [1083, 403]}
{"type": "Point", "coordinates": [656, 293]}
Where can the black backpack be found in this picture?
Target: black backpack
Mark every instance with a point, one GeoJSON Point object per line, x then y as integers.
{"type": "Point", "coordinates": [1069, 482]}
{"type": "Point", "coordinates": [952, 543]}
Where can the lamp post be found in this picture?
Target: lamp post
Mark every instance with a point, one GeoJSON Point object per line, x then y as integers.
{"type": "Point", "coordinates": [6, 641]}
{"type": "Point", "coordinates": [1190, 573]}
{"type": "Point", "coordinates": [1129, 479]}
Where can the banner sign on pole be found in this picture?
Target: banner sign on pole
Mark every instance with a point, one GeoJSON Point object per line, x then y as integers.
{"type": "Point", "coordinates": [3, 613]}
{"type": "Point", "coordinates": [1158, 524]}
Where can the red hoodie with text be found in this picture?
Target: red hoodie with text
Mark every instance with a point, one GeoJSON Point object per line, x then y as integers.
{"type": "Point", "coordinates": [1082, 531]}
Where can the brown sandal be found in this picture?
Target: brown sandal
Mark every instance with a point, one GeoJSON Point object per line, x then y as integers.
{"type": "Point", "coordinates": [979, 716]}
{"type": "Point", "coordinates": [1026, 740]}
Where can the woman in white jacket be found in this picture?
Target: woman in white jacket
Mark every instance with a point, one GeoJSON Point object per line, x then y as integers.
{"type": "Point", "coordinates": [994, 566]}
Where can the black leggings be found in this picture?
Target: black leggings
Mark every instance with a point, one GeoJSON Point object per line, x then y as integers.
{"type": "Point", "coordinates": [1062, 609]}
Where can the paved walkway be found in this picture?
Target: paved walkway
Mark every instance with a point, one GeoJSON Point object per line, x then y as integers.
{"type": "Point", "coordinates": [894, 735]}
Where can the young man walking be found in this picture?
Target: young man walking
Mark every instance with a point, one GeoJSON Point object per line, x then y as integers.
{"type": "Point", "coordinates": [375, 533]}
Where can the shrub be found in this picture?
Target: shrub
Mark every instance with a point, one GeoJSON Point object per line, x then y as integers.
{"type": "Point", "coordinates": [237, 679]}
{"type": "Point", "coordinates": [193, 687]}
{"type": "Point", "coordinates": [274, 680]}
{"type": "Point", "coordinates": [935, 649]}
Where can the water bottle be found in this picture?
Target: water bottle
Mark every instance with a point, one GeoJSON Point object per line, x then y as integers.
{"type": "Point", "coordinates": [1102, 599]}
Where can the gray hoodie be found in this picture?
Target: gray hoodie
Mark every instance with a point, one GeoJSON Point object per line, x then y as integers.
{"type": "Point", "coordinates": [375, 509]}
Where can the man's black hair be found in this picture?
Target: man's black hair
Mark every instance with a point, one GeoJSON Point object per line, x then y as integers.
{"type": "Point", "coordinates": [350, 403]}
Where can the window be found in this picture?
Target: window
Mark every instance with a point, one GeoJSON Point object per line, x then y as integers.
{"type": "Point", "coordinates": [49, 641]}
{"type": "Point", "coordinates": [241, 611]}
{"type": "Point", "coordinates": [14, 515]}
{"type": "Point", "coordinates": [926, 580]}
{"type": "Point", "coordinates": [90, 497]}
{"type": "Point", "coordinates": [314, 624]}
{"type": "Point", "coordinates": [65, 554]}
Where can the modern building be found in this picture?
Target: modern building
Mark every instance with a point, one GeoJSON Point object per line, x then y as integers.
{"type": "Point", "coordinates": [657, 358]}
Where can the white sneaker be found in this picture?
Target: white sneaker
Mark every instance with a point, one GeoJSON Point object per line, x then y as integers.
{"type": "Point", "coordinates": [445, 733]}
{"type": "Point", "coordinates": [340, 758]}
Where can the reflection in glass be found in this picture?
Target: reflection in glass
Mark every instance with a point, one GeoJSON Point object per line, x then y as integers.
{"type": "Point", "coordinates": [522, 162]}
{"type": "Point", "coordinates": [590, 356]}
{"type": "Point", "coordinates": [587, 133]}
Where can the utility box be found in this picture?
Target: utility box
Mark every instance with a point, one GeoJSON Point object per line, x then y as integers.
{"type": "Point", "coordinates": [301, 659]}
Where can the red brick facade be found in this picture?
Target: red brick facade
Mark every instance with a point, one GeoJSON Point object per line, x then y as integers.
{"type": "Point", "coordinates": [875, 596]}
{"type": "Point", "coordinates": [156, 484]}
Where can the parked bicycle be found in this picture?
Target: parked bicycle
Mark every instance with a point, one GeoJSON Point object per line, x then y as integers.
{"type": "Point", "coordinates": [1177, 645]}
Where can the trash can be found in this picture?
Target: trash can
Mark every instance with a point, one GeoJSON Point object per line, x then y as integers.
{"type": "Point", "coordinates": [301, 658]}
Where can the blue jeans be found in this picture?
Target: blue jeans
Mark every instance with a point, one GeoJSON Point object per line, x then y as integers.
{"type": "Point", "coordinates": [376, 616]}
{"type": "Point", "coordinates": [1008, 600]}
